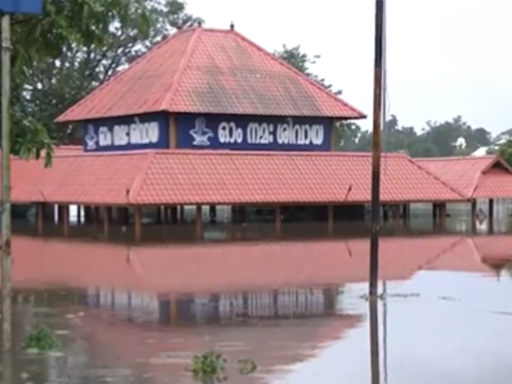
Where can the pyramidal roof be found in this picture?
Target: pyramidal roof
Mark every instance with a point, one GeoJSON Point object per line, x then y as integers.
{"type": "Point", "coordinates": [200, 70]}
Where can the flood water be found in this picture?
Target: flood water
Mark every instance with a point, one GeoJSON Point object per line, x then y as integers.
{"type": "Point", "coordinates": [298, 309]}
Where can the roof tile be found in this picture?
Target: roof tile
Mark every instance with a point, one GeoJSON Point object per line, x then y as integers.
{"type": "Point", "coordinates": [477, 177]}
{"type": "Point", "coordinates": [224, 177]}
{"type": "Point", "coordinates": [202, 70]}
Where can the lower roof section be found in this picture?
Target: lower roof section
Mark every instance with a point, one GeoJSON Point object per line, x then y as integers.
{"type": "Point", "coordinates": [174, 177]}
{"type": "Point", "coordinates": [479, 177]}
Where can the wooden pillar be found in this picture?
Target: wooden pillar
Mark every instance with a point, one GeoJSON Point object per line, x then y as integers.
{"type": "Point", "coordinates": [396, 214]}
{"type": "Point", "coordinates": [442, 215]}
{"type": "Point", "coordinates": [159, 215]}
{"type": "Point", "coordinates": [491, 216]}
{"type": "Point", "coordinates": [138, 224]}
{"type": "Point", "coordinates": [40, 218]}
{"type": "Point", "coordinates": [278, 220]}
{"type": "Point", "coordinates": [199, 222]}
{"type": "Point", "coordinates": [87, 214]}
{"type": "Point", "coordinates": [60, 214]}
{"type": "Point", "coordinates": [406, 214]}
{"type": "Point", "coordinates": [182, 214]}
{"type": "Point", "coordinates": [330, 219]}
{"type": "Point", "coordinates": [473, 216]}
{"type": "Point", "coordinates": [123, 215]}
{"type": "Point", "coordinates": [107, 218]}
{"type": "Point", "coordinates": [435, 214]}
{"type": "Point", "coordinates": [173, 212]}
{"type": "Point", "coordinates": [212, 213]}
{"type": "Point", "coordinates": [65, 219]}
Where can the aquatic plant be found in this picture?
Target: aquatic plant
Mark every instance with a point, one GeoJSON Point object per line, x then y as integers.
{"type": "Point", "coordinates": [246, 366]}
{"type": "Point", "coordinates": [211, 367]}
{"type": "Point", "coordinates": [41, 339]}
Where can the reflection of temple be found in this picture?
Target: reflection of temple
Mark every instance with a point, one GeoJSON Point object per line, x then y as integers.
{"type": "Point", "coordinates": [229, 308]}
{"type": "Point", "coordinates": [204, 269]}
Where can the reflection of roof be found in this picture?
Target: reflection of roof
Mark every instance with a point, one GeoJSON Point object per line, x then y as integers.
{"type": "Point", "coordinates": [217, 267]}
{"type": "Point", "coordinates": [219, 177]}
{"type": "Point", "coordinates": [479, 254]}
{"type": "Point", "coordinates": [474, 176]}
{"type": "Point", "coordinates": [202, 70]}
{"type": "Point", "coordinates": [271, 346]}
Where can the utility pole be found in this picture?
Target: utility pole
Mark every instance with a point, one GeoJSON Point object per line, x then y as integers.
{"type": "Point", "coordinates": [6, 184]}
{"type": "Point", "coordinates": [376, 148]}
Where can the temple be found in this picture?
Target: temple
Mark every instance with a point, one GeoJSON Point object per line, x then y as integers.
{"type": "Point", "coordinates": [210, 136]}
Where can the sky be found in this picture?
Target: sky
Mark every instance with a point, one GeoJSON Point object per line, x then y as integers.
{"type": "Point", "coordinates": [444, 57]}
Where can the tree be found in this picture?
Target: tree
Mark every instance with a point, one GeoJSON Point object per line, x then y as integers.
{"type": "Point", "coordinates": [302, 62]}
{"type": "Point", "coordinates": [76, 46]}
{"type": "Point", "coordinates": [505, 151]}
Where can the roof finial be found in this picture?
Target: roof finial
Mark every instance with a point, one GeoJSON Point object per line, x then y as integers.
{"type": "Point", "coordinates": [232, 25]}
{"type": "Point", "coordinates": [199, 23]}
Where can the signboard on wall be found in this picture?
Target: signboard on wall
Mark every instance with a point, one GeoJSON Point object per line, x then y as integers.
{"type": "Point", "coordinates": [253, 133]}
{"type": "Point", "coordinates": [127, 133]}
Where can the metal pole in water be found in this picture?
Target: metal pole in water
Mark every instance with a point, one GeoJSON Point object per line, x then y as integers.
{"type": "Point", "coordinates": [6, 184]}
{"type": "Point", "coordinates": [376, 147]}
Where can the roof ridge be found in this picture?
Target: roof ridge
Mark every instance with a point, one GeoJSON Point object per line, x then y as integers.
{"type": "Point", "coordinates": [196, 32]}
{"type": "Point", "coordinates": [121, 73]}
{"type": "Point", "coordinates": [435, 177]}
{"type": "Point", "coordinates": [274, 153]}
{"type": "Point", "coordinates": [497, 159]}
{"type": "Point", "coordinates": [133, 191]}
{"type": "Point", "coordinates": [299, 73]}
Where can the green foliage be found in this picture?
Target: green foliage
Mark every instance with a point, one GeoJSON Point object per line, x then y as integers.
{"type": "Point", "coordinates": [435, 139]}
{"type": "Point", "coordinates": [505, 151]}
{"type": "Point", "coordinates": [41, 339]}
{"type": "Point", "coordinates": [211, 367]}
{"type": "Point", "coordinates": [74, 47]}
{"type": "Point", "coordinates": [302, 62]}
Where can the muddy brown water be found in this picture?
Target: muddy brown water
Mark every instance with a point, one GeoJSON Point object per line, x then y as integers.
{"type": "Point", "coordinates": [298, 309]}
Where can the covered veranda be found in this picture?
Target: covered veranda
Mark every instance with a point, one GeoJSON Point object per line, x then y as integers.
{"type": "Point", "coordinates": [116, 193]}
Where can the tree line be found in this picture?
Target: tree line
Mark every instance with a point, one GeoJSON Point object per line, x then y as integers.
{"type": "Point", "coordinates": [435, 139]}
{"type": "Point", "coordinates": [79, 44]}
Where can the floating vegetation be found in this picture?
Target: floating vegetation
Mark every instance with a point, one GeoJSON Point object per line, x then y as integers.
{"type": "Point", "coordinates": [211, 367]}
{"type": "Point", "coordinates": [246, 366]}
{"type": "Point", "coordinates": [41, 339]}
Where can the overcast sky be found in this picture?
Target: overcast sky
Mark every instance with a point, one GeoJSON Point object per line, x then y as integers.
{"type": "Point", "coordinates": [445, 57]}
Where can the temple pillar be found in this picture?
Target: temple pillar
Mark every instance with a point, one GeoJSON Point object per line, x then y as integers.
{"type": "Point", "coordinates": [473, 216]}
{"type": "Point", "coordinates": [278, 223]}
{"type": "Point", "coordinates": [442, 215]}
{"type": "Point", "coordinates": [107, 219]}
{"type": "Point", "coordinates": [199, 222]}
{"type": "Point", "coordinates": [65, 219]}
{"type": "Point", "coordinates": [40, 218]}
{"type": "Point", "coordinates": [173, 212]}
{"type": "Point", "coordinates": [491, 215]}
{"type": "Point", "coordinates": [212, 210]}
{"type": "Point", "coordinates": [330, 219]}
{"type": "Point", "coordinates": [435, 215]}
{"type": "Point", "coordinates": [138, 224]}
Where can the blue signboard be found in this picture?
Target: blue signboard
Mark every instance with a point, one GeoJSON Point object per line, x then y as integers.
{"type": "Point", "coordinates": [127, 133]}
{"type": "Point", "coordinates": [253, 133]}
{"type": "Point", "coordinates": [34, 7]}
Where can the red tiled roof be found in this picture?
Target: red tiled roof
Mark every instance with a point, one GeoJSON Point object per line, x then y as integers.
{"type": "Point", "coordinates": [474, 176]}
{"type": "Point", "coordinates": [219, 177]}
{"type": "Point", "coordinates": [203, 70]}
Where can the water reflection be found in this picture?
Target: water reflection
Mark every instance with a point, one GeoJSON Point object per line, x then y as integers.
{"type": "Point", "coordinates": [137, 315]}
{"type": "Point", "coordinates": [374, 340]}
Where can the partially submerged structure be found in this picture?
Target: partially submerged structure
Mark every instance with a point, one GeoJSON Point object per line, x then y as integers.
{"type": "Point", "coordinates": [209, 119]}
